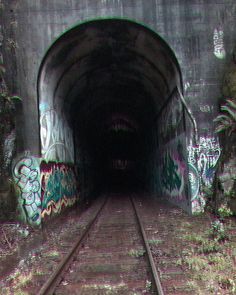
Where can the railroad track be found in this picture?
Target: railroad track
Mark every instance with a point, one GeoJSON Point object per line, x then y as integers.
{"type": "Point", "coordinates": [112, 256]}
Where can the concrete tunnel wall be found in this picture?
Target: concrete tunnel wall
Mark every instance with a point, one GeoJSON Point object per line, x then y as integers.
{"type": "Point", "coordinates": [200, 33]}
{"type": "Point", "coordinates": [96, 74]}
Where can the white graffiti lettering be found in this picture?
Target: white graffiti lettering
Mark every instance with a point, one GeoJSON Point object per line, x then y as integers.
{"type": "Point", "coordinates": [194, 181]}
{"type": "Point", "coordinates": [56, 137]}
{"type": "Point", "coordinates": [186, 86]}
{"type": "Point", "coordinates": [204, 157]}
{"type": "Point", "coordinates": [27, 178]}
{"type": "Point", "coordinates": [218, 41]}
{"type": "Point", "coordinates": [206, 108]}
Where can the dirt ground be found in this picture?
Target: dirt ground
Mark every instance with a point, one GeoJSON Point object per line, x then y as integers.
{"type": "Point", "coordinates": [204, 247]}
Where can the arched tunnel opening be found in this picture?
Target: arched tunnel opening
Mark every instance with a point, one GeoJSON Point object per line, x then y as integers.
{"type": "Point", "coordinates": [102, 86]}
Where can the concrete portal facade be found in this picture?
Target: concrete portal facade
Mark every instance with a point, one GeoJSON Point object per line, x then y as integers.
{"type": "Point", "coordinates": [169, 58]}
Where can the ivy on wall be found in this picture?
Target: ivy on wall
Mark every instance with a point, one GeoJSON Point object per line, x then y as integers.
{"type": "Point", "coordinates": [7, 124]}
{"type": "Point", "coordinates": [224, 190]}
{"type": "Point", "coordinates": [7, 139]}
{"type": "Point", "coordinates": [7, 113]}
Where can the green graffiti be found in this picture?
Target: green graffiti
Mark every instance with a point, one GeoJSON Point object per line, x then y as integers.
{"type": "Point", "coordinates": [58, 182]}
{"type": "Point", "coordinates": [170, 177]}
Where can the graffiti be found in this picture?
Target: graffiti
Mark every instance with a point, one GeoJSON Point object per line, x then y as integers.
{"type": "Point", "coordinates": [121, 164]}
{"type": "Point", "coordinates": [186, 86]}
{"type": "Point", "coordinates": [26, 176]}
{"type": "Point", "coordinates": [206, 108]}
{"type": "Point", "coordinates": [171, 123]}
{"type": "Point", "coordinates": [56, 137]}
{"type": "Point", "coordinates": [204, 157]}
{"type": "Point", "coordinates": [172, 177]}
{"type": "Point", "coordinates": [56, 182]}
{"type": "Point", "coordinates": [56, 207]}
{"type": "Point", "coordinates": [194, 181]}
{"type": "Point", "coordinates": [59, 187]}
{"type": "Point", "coordinates": [218, 40]}
{"type": "Point", "coordinates": [172, 167]}
{"type": "Point", "coordinates": [119, 122]}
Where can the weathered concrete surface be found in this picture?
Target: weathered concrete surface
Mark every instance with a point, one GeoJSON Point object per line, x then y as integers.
{"type": "Point", "coordinates": [200, 33]}
{"type": "Point", "coordinates": [187, 27]}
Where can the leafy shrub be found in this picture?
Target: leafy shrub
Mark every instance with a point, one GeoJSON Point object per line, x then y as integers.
{"type": "Point", "coordinates": [226, 122]}
{"type": "Point", "coordinates": [217, 231]}
{"type": "Point", "coordinates": [224, 211]}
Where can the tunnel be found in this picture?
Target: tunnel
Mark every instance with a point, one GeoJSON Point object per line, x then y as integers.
{"type": "Point", "coordinates": [103, 87]}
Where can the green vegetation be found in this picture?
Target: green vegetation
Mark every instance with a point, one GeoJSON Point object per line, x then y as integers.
{"type": "Point", "coordinates": [226, 122]}
{"type": "Point", "coordinates": [52, 253]}
{"type": "Point", "coordinates": [137, 253]}
{"type": "Point", "coordinates": [207, 259]}
{"type": "Point", "coordinates": [224, 211]}
{"type": "Point", "coordinates": [155, 241]}
{"type": "Point", "coordinates": [223, 200]}
{"type": "Point", "coordinates": [217, 231]}
{"type": "Point", "coordinates": [5, 97]}
{"type": "Point", "coordinates": [107, 289]}
{"type": "Point", "coordinates": [148, 285]}
{"type": "Point", "coordinates": [20, 280]}
{"type": "Point", "coordinates": [7, 118]}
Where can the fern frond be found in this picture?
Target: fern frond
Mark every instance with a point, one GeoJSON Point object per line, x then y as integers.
{"type": "Point", "coordinates": [221, 128]}
{"type": "Point", "coordinates": [231, 112]}
{"type": "Point", "coordinates": [232, 102]}
{"type": "Point", "coordinates": [221, 118]}
{"type": "Point", "coordinates": [16, 97]}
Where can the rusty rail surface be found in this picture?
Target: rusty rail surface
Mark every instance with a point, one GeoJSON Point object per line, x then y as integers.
{"type": "Point", "coordinates": [51, 283]}
{"type": "Point", "coordinates": [155, 275]}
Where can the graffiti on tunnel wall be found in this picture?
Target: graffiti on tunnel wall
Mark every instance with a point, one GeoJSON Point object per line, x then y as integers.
{"type": "Point", "coordinates": [43, 188]}
{"type": "Point", "coordinates": [218, 40]}
{"type": "Point", "coordinates": [171, 120]}
{"type": "Point", "coordinates": [202, 160]}
{"type": "Point", "coordinates": [59, 188]}
{"type": "Point", "coordinates": [56, 136]}
{"type": "Point", "coordinates": [172, 162]}
{"type": "Point", "coordinates": [194, 181]}
{"type": "Point", "coordinates": [204, 157]}
{"type": "Point", "coordinates": [173, 173]}
{"type": "Point", "coordinates": [27, 179]}
{"type": "Point", "coordinates": [171, 178]}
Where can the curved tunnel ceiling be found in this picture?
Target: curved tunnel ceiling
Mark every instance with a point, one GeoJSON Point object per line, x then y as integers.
{"type": "Point", "coordinates": [104, 67]}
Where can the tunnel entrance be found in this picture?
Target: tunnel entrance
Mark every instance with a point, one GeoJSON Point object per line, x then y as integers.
{"type": "Point", "coordinates": [103, 87]}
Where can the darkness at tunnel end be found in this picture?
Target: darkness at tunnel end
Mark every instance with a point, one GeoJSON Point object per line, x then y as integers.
{"type": "Point", "coordinates": [101, 69]}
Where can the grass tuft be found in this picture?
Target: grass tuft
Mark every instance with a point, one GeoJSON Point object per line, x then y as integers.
{"type": "Point", "coordinates": [137, 253]}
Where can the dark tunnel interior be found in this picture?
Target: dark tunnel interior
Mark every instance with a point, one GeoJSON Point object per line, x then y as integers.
{"type": "Point", "coordinates": [110, 78]}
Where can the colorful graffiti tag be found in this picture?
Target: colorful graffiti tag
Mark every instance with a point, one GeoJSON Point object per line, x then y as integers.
{"type": "Point", "coordinates": [172, 177]}
{"type": "Point", "coordinates": [56, 137]}
{"type": "Point", "coordinates": [59, 187]}
{"type": "Point", "coordinates": [27, 178]}
{"type": "Point", "coordinates": [172, 168]}
{"type": "Point", "coordinates": [202, 159]}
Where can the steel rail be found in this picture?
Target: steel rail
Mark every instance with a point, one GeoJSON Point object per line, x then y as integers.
{"type": "Point", "coordinates": [155, 275]}
{"type": "Point", "coordinates": [50, 285]}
